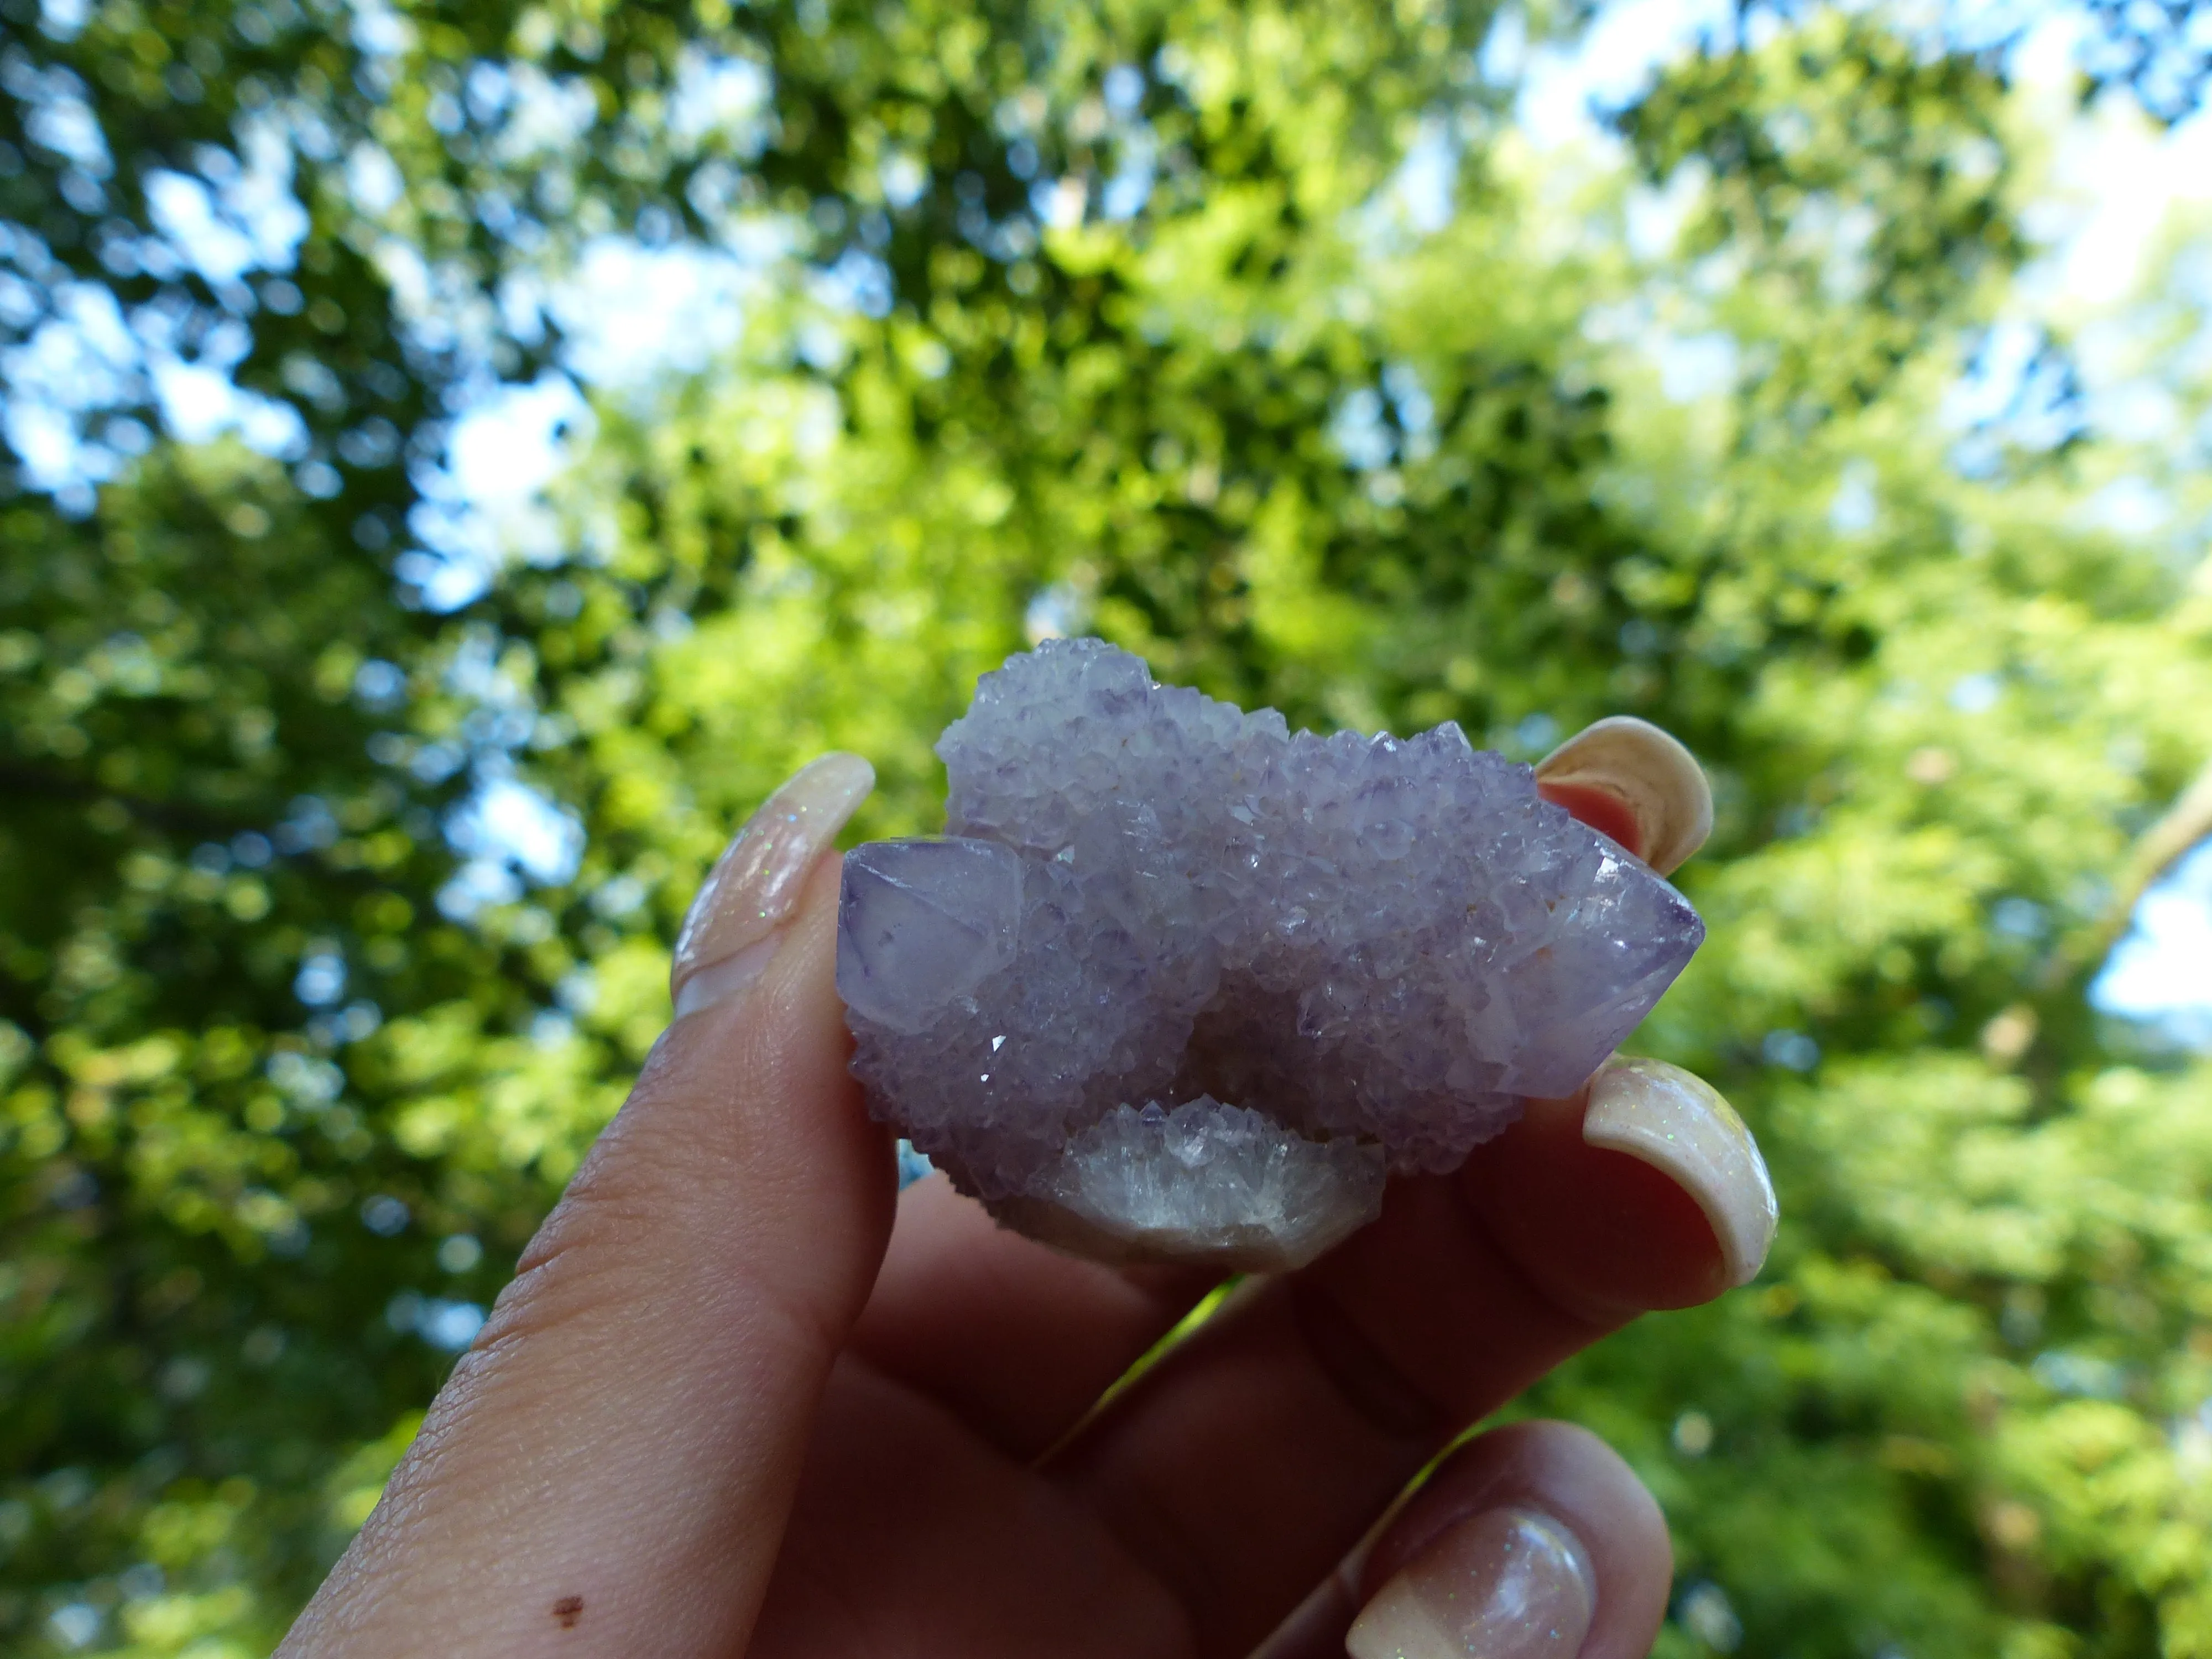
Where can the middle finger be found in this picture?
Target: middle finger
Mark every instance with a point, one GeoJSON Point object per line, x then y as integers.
{"type": "Point", "coordinates": [1244, 1466]}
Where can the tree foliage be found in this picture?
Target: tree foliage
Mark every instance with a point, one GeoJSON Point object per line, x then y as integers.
{"type": "Point", "coordinates": [1112, 318]}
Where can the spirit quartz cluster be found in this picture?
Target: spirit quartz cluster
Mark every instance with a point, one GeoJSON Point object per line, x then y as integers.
{"type": "Point", "coordinates": [1178, 982]}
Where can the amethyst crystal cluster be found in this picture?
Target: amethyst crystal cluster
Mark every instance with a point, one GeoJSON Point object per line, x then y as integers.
{"type": "Point", "coordinates": [1178, 981]}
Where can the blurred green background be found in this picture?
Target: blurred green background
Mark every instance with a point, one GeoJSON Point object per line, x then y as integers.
{"type": "Point", "coordinates": [461, 459]}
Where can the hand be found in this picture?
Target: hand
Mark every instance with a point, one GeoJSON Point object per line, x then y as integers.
{"type": "Point", "coordinates": [741, 1399]}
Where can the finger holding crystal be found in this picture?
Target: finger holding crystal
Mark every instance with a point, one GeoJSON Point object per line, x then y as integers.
{"type": "Point", "coordinates": [1245, 1464]}
{"type": "Point", "coordinates": [1635, 782]}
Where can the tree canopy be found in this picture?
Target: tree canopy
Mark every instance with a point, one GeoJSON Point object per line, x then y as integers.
{"type": "Point", "coordinates": [1128, 319]}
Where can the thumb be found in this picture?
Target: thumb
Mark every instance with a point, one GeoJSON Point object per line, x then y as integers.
{"type": "Point", "coordinates": [612, 1462]}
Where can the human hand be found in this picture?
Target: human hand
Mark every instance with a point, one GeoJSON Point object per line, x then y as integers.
{"type": "Point", "coordinates": [741, 1399]}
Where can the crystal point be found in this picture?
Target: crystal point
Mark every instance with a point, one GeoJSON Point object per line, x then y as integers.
{"type": "Point", "coordinates": [921, 923]}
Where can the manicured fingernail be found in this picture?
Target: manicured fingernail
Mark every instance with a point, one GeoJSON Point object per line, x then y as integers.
{"type": "Point", "coordinates": [1627, 772]}
{"type": "Point", "coordinates": [1506, 1584]}
{"type": "Point", "coordinates": [1679, 1124]}
{"type": "Point", "coordinates": [736, 922]}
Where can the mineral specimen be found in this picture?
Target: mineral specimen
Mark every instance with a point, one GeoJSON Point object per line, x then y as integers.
{"type": "Point", "coordinates": [1179, 982]}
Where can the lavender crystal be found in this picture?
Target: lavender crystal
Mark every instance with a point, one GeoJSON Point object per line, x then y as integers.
{"type": "Point", "coordinates": [1180, 981]}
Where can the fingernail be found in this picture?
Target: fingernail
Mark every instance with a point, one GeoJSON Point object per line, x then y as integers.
{"type": "Point", "coordinates": [735, 924]}
{"type": "Point", "coordinates": [1679, 1124]}
{"type": "Point", "coordinates": [1646, 774]}
{"type": "Point", "coordinates": [1509, 1583]}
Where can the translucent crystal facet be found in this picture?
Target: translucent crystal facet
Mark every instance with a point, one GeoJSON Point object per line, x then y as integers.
{"type": "Point", "coordinates": [1206, 1181]}
{"type": "Point", "coordinates": [922, 923]}
{"type": "Point", "coordinates": [1182, 982]}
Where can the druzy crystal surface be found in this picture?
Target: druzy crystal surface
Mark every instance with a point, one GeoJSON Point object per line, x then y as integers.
{"type": "Point", "coordinates": [1178, 981]}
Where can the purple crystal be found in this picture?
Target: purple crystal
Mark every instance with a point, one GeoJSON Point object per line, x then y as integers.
{"type": "Point", "coordinates": [1152, 899]}
{"type": "Point", "coordinates": [921, 923]}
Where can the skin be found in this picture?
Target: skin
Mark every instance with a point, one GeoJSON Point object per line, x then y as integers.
{"type": "Point", "coordinates": [742, 1398]}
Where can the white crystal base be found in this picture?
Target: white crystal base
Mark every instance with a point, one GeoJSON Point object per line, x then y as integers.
{"type": "Point", "coordinates": [1218, 1185]}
